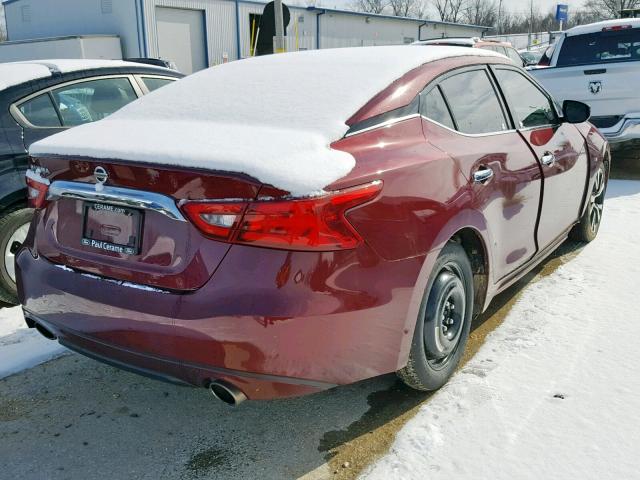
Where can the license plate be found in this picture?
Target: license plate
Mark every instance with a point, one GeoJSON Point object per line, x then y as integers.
{"type": "Point", "coordinates": [112, 228]}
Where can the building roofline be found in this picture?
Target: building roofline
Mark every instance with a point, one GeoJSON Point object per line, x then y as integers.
{"type": "Point", "coordinates": [381, 15]}
{"type": "Point", "coordinates": [313, 8]}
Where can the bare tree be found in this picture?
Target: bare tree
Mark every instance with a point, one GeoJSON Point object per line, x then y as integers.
{"type": "Point", "coordinates": [408, 8]}
{"type": "Point", "coordinates": [370, 6]}
{"type": "Point", "coordinates": [449, 10]}
{"type": "Point", "coordinates": [609, 8]}
{"type": "Point", "coordinates": [481, 12]}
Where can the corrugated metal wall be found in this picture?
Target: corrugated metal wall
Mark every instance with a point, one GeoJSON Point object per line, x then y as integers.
{"type": "Point", "coordinates": [220, 20]}
{"type": "Point", "coordinates": [336, 29]}
{"type": "Point", "coordinates": [340, 30]}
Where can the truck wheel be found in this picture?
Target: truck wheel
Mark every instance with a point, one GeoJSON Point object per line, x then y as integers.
{"type": "Point", "coordinates": [13, 228]}
{"type": "Point", "coordinates": [587, 229]}
{"type": "Point", "coordinates": [443, 323]}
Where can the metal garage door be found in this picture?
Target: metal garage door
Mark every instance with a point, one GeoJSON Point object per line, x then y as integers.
{"type": "Point", "coordinates": [181, 38]}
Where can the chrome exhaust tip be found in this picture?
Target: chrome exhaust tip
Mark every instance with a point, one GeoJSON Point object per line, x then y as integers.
{"type": "Point", "coordinates": [226, 392]}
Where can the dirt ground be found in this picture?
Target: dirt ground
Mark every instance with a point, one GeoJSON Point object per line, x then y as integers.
{"type": "Point", "coordinates": [73, 418]}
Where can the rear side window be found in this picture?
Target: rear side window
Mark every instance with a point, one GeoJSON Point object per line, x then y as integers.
{"type": "Point", "coordinates": [39, 111]}
{"type": "Point", "coordinates": [433, 106]}
{"type": "Point", "coordinates": [474, 103]}
{"type": "Point", "coordinates": [529, 106]}
{"type": "Point", "coordinates": [600, 47]}
{"type": "Point", "coordinates": [86, 102]}
{"type": "Point", "coordinates": [155, 83]}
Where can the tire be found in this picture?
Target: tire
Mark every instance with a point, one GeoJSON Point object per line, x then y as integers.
{"type": "Point", "coordinates": [13, 226]}
{"type": "Point", "coordinates": [587, 228]}
{"type": "Point", "coordinates": [436, 351]}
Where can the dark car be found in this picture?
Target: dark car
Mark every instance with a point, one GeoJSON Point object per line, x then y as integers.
{"type": "Point", "coordinates": [332, 222]}
{"type": "Point", "coordinates": [43, 97]}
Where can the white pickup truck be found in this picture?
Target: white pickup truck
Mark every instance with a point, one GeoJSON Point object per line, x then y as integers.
{"type": "Point", "coordinates": [599, 64]}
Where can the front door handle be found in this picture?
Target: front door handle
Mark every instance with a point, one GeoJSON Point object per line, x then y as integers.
{"type": "Point", "coordinates": [482, 175]}
{"type": "Point", "coordinates": [548, 159]}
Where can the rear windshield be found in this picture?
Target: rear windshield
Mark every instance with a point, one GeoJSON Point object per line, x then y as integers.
{"type": "Point", "coordinates": [600, 47]}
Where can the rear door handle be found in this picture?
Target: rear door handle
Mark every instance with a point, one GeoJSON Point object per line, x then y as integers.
{"type": "Point", "coordinates": [548, 159]}
{"type": "Point", "coordinates": [482, 175]}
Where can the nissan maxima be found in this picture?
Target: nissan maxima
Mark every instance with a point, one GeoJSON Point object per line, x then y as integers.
{"type": "Point", "coordinates": [280, 225]}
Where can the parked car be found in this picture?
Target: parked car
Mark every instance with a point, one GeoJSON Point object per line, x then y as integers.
{"type": "Point", "coordinates": [223, 243]}
{"type": "Point", "coordinates": [599, 64]}
{"type": "Point", "coordinates": [505, 48]}
{"type": "Point", "coordinates": [531, 57]}
{"type": "Point", "coordinates": [43, 97]}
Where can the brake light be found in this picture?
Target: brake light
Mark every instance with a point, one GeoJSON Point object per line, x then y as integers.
{"type": "Point", "coordinates": [316, 223]}
{"type": "Point", "coordinates": [616, 28]}
{"type": "Point", "coordinates": [37, 187]}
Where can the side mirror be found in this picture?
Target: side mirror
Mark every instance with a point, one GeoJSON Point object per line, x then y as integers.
{"type": "Point", "coordinates": [575, 112]}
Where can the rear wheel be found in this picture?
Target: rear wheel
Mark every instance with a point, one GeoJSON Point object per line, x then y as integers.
{"type": "Point", "coordinates": [14, 227]}
{"type": "Point", "coordinates": [587, 229]}
{"type": "Point", "coordinates": [444, 321]}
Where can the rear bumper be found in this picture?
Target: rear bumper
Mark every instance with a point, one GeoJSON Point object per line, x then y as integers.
{"type": "Point", "coordinates": [628, 128]}
{"type": "Point", "coordinates": [290, 325]}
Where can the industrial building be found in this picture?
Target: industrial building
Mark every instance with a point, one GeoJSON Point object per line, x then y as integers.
{"type": "Point", "coordinates": [196, 34]}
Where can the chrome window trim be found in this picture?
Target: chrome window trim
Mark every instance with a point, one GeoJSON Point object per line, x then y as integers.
{"type": "Point", "coordinates": [472, 135]}
{"type": "Point", "coordinates": [22, 120]}
{"type": "Point", "coordinates": [126, 197]}
{"type": "Point", "coordinates": [386, 123]}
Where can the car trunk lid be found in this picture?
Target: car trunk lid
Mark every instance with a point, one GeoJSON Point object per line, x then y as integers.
{"type": "Point", "coordinates": [122, 220]}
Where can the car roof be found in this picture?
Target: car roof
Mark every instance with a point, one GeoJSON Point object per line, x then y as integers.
{"type": "Point", "coordinates": [16, 73]}
{"type": "Point", "coordinates": [463, 41]}
{"type": "Point", "coordinates": [599, 26]}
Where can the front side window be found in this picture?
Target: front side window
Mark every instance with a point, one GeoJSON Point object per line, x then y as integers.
{"type": "Point", "coordinates": [600, 47]}
{"type": "Point", "coordinates": [432, 106]}
{"type": "Point", "coordinates": [474, 104]}
{"type": "Point", "coordinates": [40, 112]}
{"type": "Point", "coordinates": [86, 102]}
{"type": "Point", "coordinates": [529, 106]}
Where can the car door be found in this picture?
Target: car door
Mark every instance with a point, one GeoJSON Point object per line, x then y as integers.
{"type": "Point", "coordinates": [464, 116]}
{"type": "Point", "coordinates": [74, 103]}
{"type": "Point", "coordinates": [559, 147]}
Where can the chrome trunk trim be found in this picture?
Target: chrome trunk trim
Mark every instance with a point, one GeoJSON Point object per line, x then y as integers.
{"type": "Point", "coordinates": [126, 197]}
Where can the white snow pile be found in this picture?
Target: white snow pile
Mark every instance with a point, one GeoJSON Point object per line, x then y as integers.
{"type": "Point", "coordinates": [555, 391]}
{"type": "Point", "coordinates": [22, 347]}
{"type": "Point", "coordinates": [270, 117]}
{"type": "Point", "coordinates": [15, 73]}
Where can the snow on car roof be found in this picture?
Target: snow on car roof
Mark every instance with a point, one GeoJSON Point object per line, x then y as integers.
{"type": "Point", "coordinates": [270, 117]}
{"type": "Point", "coordinates": [598, 26]}
{"type": "Point", "coordinates": [15, 73]}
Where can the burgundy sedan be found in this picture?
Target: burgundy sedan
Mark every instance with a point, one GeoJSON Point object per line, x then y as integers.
{"type": "Point", "coordinates": [290, 264]}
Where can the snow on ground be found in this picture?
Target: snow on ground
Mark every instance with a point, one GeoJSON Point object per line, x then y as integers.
{"type": "Point", "coordinates": [22, 347]}
{"type": "Point", "coordinates": [272, 117]}
{"type": "Point", "coordinates": [555, 390]}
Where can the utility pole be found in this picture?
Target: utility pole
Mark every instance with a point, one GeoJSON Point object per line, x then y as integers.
{"type": "Point", "coordinates": [499, 16]}
{"type": "Point", "coordinates": [530, 24]}
{"type": "Point", "coordinates": [279, 42]}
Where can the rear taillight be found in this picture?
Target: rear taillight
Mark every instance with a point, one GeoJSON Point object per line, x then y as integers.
{"type": "Point", "coordinates": [316, 223]}
{"type": "Point", "coordinates": [37, 187]}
